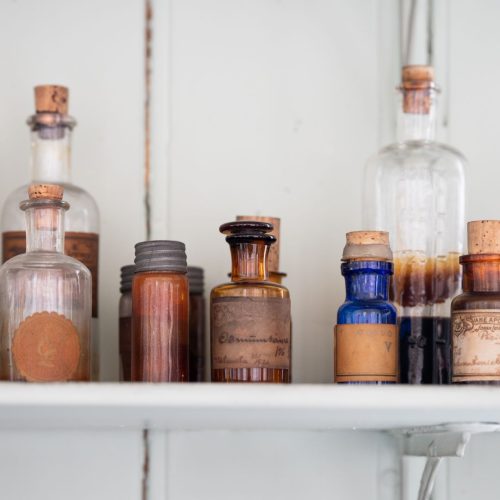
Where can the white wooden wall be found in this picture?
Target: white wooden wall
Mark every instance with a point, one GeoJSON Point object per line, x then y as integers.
{"type": "Point", "coordinates": [261, 106]}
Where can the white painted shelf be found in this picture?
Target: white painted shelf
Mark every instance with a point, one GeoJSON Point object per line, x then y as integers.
{"type": "Point", "coordinates": [218, 406]}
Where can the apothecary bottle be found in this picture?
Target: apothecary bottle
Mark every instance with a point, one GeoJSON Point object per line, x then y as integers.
{"type": "Point", "coordinates": [250, 316]}
{"type": "Point", "coordinates": [475, 314]}
{"type": "Point", "coordinates": [414, 189]}
{"type": "Point", "coordinates": [160, 313]}
{"type": "Point", "coordinates": [366, 336]}
{"type": "Point", "coordinates": [125, 322]}
{"type": "Point", "coordinates": [45, 299]}
{"type": "Point", "coordinates": [51, 130]}
{"type": "Point", "coordinates": [197, 331]}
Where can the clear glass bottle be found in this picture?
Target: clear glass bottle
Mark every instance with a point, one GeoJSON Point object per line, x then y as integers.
{"type": "Point", "coordinates": [250, 316]}
{"type": "Point", "coordinates": [415, 190]}
{"type": "Point", "coordinates": [160, 313]}
{"type": "Point", "coordinates": [366, 337]}
{"type": "Point", "coordinates": [125, 322]}
{"type": "Point", "coordinates": [475, 313]}
{"type": "Point", "coordinates": [51, 129]}
{"type": "Point", "coordinates": [197, 332]}
{"type": "Point", "coordinates": [45, 300]}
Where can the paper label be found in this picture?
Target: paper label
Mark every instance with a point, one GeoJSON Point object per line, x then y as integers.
{"type": "Point", "coordinates": [476, 345]}
{"type": "Point", "coordinates": [46, 348]}
{"type": "Point", "coordinates": [81, 246]}
{"type": "Point", "coordinates": [250, 332]}
{"type": "Point", "coordinates": [366, 353]}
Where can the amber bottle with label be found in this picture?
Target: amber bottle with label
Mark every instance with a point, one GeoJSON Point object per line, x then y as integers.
{"type": "Point", "coordinates": [197, 331]}
{"type": "Point", "coordinates": [366, 338]}
{"type": "Point", "coordinates": [45, 300]}
{"type": "Point", "coordinates": [51, 130]}
{"type": "Point", "coordinates": [125, 322]}
{"type": "Point", "coordinates": [250, 316]}
{"type": "Point", "coordinates": [475, 314]}
{"type": "Point", "coordinates": [160, 313]}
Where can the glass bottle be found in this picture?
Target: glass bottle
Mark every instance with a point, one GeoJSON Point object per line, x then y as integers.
{"type": "Point", "coordinates": [160, 313]}
{"type": "Point", "coordinates": [197, 333]}
{"type": "Point", "coordinates": [45, 300]}
{"type": "Point", "coordinates": [476, 312]}
{"type": "Point", "coordinates": [414, 189]}
{"type": "Point", "coordinates": [125, 322]}
{"type": "Point", "coordinates": [250, 316]}
{"type": "Point", "coordinates": [51, 129]}
{"type": "Point", "coordinates": [366, 336]}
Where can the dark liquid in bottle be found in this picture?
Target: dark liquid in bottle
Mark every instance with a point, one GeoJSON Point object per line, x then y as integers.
{"type": "Point", "coordinates": [425, 350]}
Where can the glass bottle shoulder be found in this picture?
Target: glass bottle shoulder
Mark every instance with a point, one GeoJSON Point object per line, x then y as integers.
{"type": "Point", "coordinates": [82, 216]}
{"type": "Point", "coordinates": [250, 289]}
{"type": "Point", "coordinates": [366, 311]}
{"type": "Point", "coordinates": [468, 301]}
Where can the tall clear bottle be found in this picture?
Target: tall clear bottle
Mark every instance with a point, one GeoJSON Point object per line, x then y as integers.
{"type": "Point", "coordinates": [51, 129]}
{"type": "Point", "coordinates": [45, 300]}
{"type": "Point", "coordinates": [415, 190]}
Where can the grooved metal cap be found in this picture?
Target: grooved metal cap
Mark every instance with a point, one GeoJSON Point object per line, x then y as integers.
{"type": "Point", "coordinates": [196, 279]}
{"type": "Point", "coordinates": [160, 255]}
{"type": "Point", "coordinates": [126, 275]}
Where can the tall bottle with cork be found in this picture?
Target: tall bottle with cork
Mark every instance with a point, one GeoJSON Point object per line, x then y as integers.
{"type": "Point", "coordinates": [51, 129]}
{"type": "Point", "coordinates": [415, 190]}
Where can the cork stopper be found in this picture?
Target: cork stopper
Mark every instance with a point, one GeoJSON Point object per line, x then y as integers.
{"type": "Point", "coordinates": [417, 76]}
{"type": "Point", "coordinates": [273, 261]}
{"type": "Point", "coordinates": [483, 237]}
{"type": "Point", "coordinates": [51, 99]}
{"type": "Point", "coordinates": [367, 245]}
{"type": "Point", "coordinates": [45, 192]}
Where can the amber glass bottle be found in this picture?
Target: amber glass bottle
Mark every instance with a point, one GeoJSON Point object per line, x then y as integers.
{"type": "Point", "coordinates": [250, 316]}
{"type": "Point", "coordinates": [160, 309]}
{"type": "Point", "coordinates": [125, 324]}
{"type": "Point", "coordinates": [197, 332]}
{"type": "Point", "coordinates": [476, 312]}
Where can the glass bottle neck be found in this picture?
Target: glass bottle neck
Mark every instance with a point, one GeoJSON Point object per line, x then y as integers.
{"type": "Point", "coordinates": [481, 273]}
{"type": "Point", "coordinates": [367, 280]}
{"type": "Point", "coordinates": [417, 115]}
{"type": "Point", "coordinates": [51, 154]}
{"type": "Point", "coordinates": [45, 229]}
{"type": "Point", "coordinates": [249, 261]}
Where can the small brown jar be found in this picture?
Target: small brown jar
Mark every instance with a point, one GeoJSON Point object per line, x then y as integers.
{"type": "Point", "coordinates": [197, 339]}
{"type": "Point", "coordinates": [125, 325]}
{"type": "Point", "coordinates": [160, 313]}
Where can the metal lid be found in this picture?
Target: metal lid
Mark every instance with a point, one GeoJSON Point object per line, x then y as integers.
{"type": "Point", "coordinates": [196, 279]}
{"type": "Point", "coordinates": [126, 275]}
{"type": "Point", "coordinates": [160, 255]}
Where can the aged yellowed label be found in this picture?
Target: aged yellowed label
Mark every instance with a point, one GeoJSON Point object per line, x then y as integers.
{"type": "Point", "coordinates": [46, 348]}
{"type": "Point", "coordinates": [476, 345]}
{"type": "Point", "coordinates": [250, 332]}
{"type": "Point", "coordinates": [366, 353]}
{"type": "Point", "coordinates": [81, 246]}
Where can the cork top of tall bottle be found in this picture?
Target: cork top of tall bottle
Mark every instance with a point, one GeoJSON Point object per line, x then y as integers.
{"type": "Point", "coordinates": [483, 237]}
{"type": "Point", "coordinates": [51, 99]}
{"type": "Point", "coordinates": [45, 192]}
{"type": "Point", "coordinates": [417, 82]}
{"type": "Point", "coordinates": [367, 245]}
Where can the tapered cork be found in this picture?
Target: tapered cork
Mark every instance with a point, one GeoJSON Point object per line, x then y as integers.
{"type": "Point", "coordinates": [45, 191]}
{"type": "Point", "coordinates": [483, 237]}
{"type": "Point", "coordinates": [417, 76]}
{"type": "Point", "coordinates": [273, 261]}
{"type": "Point", "coordinates": [367, 245]}
{"type": "Point", "coordinates": [51, 99]}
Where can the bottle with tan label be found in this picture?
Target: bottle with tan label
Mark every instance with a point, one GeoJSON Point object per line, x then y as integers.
{"type": "Point", "coordinates": [51, 129]}
{"type": "Point", "coordinates": [475, 314]}
{"type": "Point", "coordinates": [250, 316]}
{"type": "Point", "coordinates": [45, 300]}
{"type": "Point", "coordinates": [366, 336]}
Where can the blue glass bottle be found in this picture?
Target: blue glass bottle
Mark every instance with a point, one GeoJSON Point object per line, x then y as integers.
{"type": "Point", "coordinates": [367, 354]}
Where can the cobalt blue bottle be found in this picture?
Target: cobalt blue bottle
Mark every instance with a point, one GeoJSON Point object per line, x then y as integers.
{"type": "Point", "coordinates": [366, 339]}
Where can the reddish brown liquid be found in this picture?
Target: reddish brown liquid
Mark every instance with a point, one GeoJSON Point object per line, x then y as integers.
{"type": "Point", "coordinates": [197, 341]}
{"type": "Point", "coordinates": [125, 336]}
{"type": "Point", "coordinates": [271, 375]}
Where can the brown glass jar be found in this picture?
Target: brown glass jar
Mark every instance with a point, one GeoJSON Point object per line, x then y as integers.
{"type": "Point", "coordinates": [125, 322]}
{"type": "Point", "coordinates": [197, 334]}
{"type": "Point", "coordinates": [475, 314]}
{"type": "Point", "coordinates": [160, 313]}
{"type": "Point", "coordinates": [250, 316]}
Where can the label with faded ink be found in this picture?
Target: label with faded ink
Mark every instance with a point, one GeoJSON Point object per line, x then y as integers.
{"type": "Point", "coordinates": [476, 345]}
{"type": "Point", "coordinates": [250, 332]}
{"type": "Point", "coordinates": [46, 348]}
{"type": "Point", "coordinates": [366, 353]}
{"type": "Point", "coordinates": [81, 246]}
